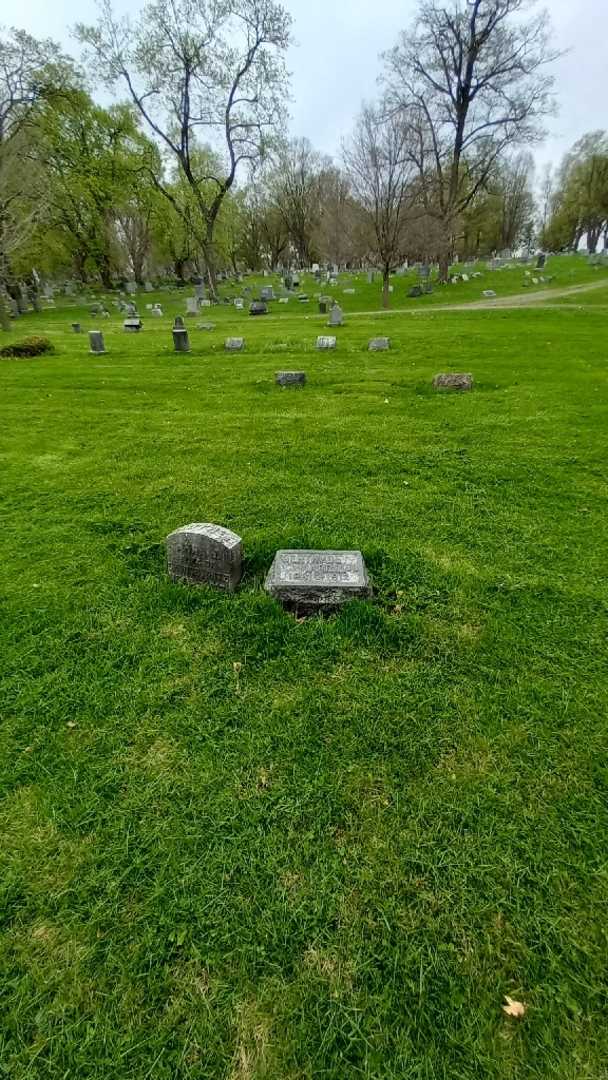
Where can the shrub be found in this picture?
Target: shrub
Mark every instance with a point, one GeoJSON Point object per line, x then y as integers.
{"type": "Point", "coordinates": [30, 346]}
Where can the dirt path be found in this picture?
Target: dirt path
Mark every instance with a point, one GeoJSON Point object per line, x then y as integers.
{"type": "Point", "coordinates": [542, 298]}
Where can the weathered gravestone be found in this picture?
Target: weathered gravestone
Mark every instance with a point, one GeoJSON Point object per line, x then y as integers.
{"type": "Point", "coordinates": [322, 307]}
{"type": "Point", "coordinates": [133, 324]}
{"type": "Point", "coordinates": [96, 343]}
{"type": "Point", "coordinates": [205, 326]}
{"type": "Point", "coordinates": [238, 303]}
{"type": "Point", "coordinates": [148, 286]}
{"type": "Point", "coordinates": [181, 341]}
{"type": "Point", "coordinates": [290, 378]}
{"type": "Point", "coordinates": [131, 287]}
{"type": "Point", "coordinates": [76, 327]}
{"type": "Point", "coordinates": [456, 381]}
{"type": "Point", "coordinates": [191, 305]}
{"type": "Point", "coordinates": [205, 554]}
{"type": "Point", "coordinates": [336, 316]}
{"type": "Point", "coordinates": [489, 294]}
{"type": "Point", "coordinates": [326, 342]}
{"type": "Point", "coordinates": [379, 344]}
{"type": "Point", "coordinates": [157, 311]}
{"type": "Point", "coordinates": [235, 344]}
{"type": "Point", "coordinates": [258, 308]}
{"type": "Point", "coordinates": [267, 293]}
{"type": "Point", "coordinates": [317, 581]}
{"type": "Point", "coordinates": [199, 291]}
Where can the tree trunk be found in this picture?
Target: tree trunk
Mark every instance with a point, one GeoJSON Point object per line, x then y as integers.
{"type": "Point", "coordinates": [5, 321]}
{"type": "Point", "coordinates": [210, 261]}
{"type": "Point", "coordinates": [386, 296]}
{"type": "Point", "coordinates": [178, 268]}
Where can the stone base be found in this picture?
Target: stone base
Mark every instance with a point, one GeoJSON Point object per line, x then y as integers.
{"type": "Point", "coordinates": [311, 582]}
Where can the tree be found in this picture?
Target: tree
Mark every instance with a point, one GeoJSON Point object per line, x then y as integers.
{"type": "Point", "coordinates": [470, 81]}
{"type": "Point", "coordinates": [380, 170]}
{"type": "Point", "coordinates": [31, 72]}
{"type": "Point", "coordinates": [580, 206]}
{"type": "Point", "coordinates": [200, 71]}
{"type": "Point", "coordinates": [296, 190]}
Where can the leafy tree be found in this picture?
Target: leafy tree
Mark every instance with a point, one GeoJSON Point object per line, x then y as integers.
{"type": "Point", "coordinates": [200, 71]}
{"type": "Point", "coordinates": [580, 204]}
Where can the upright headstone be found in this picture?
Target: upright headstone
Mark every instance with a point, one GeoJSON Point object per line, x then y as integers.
{"type": "Point", "coordinates": [379, 344]}
{"type": "Point", "coordinates": [267, 293]}
{"type": "Point", "coordinates": [336, 316]}
{"type": "Point", "coordinates": [157, 311]}
{"type": "Point", "coordinates": [148, 286]}
{"type": "Point", "coordinates": [96, 343]}
{"type": "Point", "coordinates": [326, 342]}
{"type": "Point", "coordinates": [76, 327]}
{"type": "Point", "coordinates": [456, 381]}
{"type": "Point", "coordinates": [235, 344]}
{"type": "Point", "coordinates": [133, 324]}
{"type": "Point", "coordinates": [205, 554]}
{"type": "Point", "coordinates": [199, 291]}
{"type": "Point", "coordinates": [258, 308]}
{"type": "Point", "coordinates": [181, 342]}
{"type": "Point", "coordinates": [131, 287]}
{"type": "Point", "coordinates": [191, 305]}
{"type": "Point", "coordinates": [317, 581]}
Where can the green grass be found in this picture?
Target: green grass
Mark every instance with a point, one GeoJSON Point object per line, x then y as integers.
{"type": "Point", "coordinates": [334, 862]}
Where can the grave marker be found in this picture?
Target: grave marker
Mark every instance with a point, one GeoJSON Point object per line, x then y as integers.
{"type": "Point", "coordinates": [317, 581]}
{"type": "Point", "coordinates": [290, 378]}
{"type": "Point", "coordinates": [205, 554]}
{"type": "Point", "coordinates": [326, 342]}
{"type": "Point", "coordinates": [96, 343]}
{"type": "Point", "coordinates": [456, 381]}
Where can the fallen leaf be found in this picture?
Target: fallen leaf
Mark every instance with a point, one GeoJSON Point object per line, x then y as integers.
{"type": "Point", "coordinates": [516, 1009]}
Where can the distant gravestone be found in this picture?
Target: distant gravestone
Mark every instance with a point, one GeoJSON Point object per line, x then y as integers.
{"type": "Point", "coordinates": [204, 303]}
{"type": "Point", "coordinates": [76, 327]}
{"type": "Point", "coordinates": [131, 287]}
{"type": "Point", "coordinates": [284, 300]}
{"type": "Point", "coordinates": [322, 307]}
{"type": "Point", "coordinates": [181, 342]}
{"type": "Point", "coordinates": [267, 293]}
{"type": "Point", "coordinates": [205, 554]}
{"type": "Point", "coordinates": [133, 324]}
{"type": "Point", "coordinates": [349, 292]}
{"type": "Point", "coordinates": [205, 326]}
{"type": "Point", "coordinates": [199, 291]}
{"type": "Point", "coordinates": [489, 294]}
{"type": "Point", "coordinates": [326, 342]}
{"type": "Point", "coordinates": [191, 305]}
{"type": "Point", "coordinates": [336, 316]}
{"type": "Point", "coordinates": [131, 310]}
{"type": "Point", "coordinates": [370, 277]}
{"type": "Point", "coordinates": [258, 307]}
{"type": "Point", "coordinates": [457, 381]}
{"type": "Point", "coordinates": [290, 378]}
{"type": "Point", "coordinates": [96, 343]}
{"type": "Point", "coordinates": [540, 262]}
{"type": "Point", "coordinates": [235, 344]}
{"type": "Point", "coordinates": [317, 581]}
{"type": "Point", "coordinates": [157, 311]}
{"type": "Point", "coordinates": [379, 344]}
{"type": "Point", "coordinates": [239, 304]}
{"type": "Point", "coordinates": [148, 286]}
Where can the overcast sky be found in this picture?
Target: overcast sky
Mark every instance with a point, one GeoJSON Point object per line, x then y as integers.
{"type": "Point", "coordinates": [335, 61]}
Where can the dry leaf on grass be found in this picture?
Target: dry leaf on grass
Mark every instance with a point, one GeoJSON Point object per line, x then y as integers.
{"type": "Point", "coordinates": [516, 1009]}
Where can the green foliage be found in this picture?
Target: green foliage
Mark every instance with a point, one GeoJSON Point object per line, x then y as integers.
{"type": "Point", "coordinates": [30, 346]}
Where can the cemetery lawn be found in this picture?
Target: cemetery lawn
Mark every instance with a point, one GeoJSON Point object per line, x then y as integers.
{"type": "Point", "coordinates": [238, 846]}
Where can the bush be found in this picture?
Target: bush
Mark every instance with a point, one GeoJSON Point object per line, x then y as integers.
{"type": "Point", "coordinates": [30, 346]}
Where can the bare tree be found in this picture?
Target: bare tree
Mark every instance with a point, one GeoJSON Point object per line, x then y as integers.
{"type": "Point", "coordinates": [379, 166]}
{"type": "Point", "coordinates": [470, 80]}
{"type": "Point", "coordinates": [200, 70]}
{"type": "Point", "coordinates": [296, 189]}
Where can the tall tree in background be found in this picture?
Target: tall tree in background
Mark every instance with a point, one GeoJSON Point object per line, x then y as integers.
{"type": "Point", "coordinates": [470, 81]}
{"type": "Point", "coordinates": [296, 189]}
{"type": "Point", "coordinates": [381, 174]}
{"type": "Point", "coordinates": [200, 71]}
{"type": "Point", "coordinates": [580, 202]}
{"type": "Point", "coordinates": [31, 72]}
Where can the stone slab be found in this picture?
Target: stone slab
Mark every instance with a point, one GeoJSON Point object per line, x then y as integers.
{"type": "Point", "coordinates": [456, 381]}
{"type": "Point", "coordinates": [290, 378]}
{"type": "Point", "coordinates": [317, 581]}
{"type": "Point", "coordinates": [326, 342]}
{"type": "Point", "coordinates": [205, 554]}
{"type": "Point", "coordinates": [235, 344]}
{"type": "Point", "coordinates": [379, 344]}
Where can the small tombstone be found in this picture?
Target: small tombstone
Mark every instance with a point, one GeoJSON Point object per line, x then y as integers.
{"type": "Point", "coordinates": [239, 304]}
{"type": "Point", "coordinates": [290, 378]}
{"type": "Point", "coordinates": [312, 582]}
{"type": "Point", "coordinates": [326, 342]}
{"type": "Point", "coordinates": [131, 310]}
{"type": "Point", "coordinates": [370, 277]}
{"type": "Point", "coordinates": [457, 381]}
{"type": "Point", "coordinates": [205, 326]}
{"type": "Point", "coordinates": [199, 291]}
{"type": "Point", "coordinates": [205, 554]}
{"type": "Point", "coordinates": [178, 323]}
{"type": "Point", "coordinates": [322, 307]}
{"type": "Point", "coordinates": [148, 286]}
{"type": "Point", "coordinates": [489, 294]}
{"type": "Point", "coordinates": [96, 343]}
{"type": "Point", "coordinates": [267, 293]}
{"type": "Point", "coordinates": [540, 262]}
{"type": "Point", "coordinates": [133, 324]}
{"type": "Point", "coordinates": [191, 305]}
{"type": "Point", "coordinates": [465, 277]}
{"type": "Point", "coordinates": [336, 316]}
{"type": "Point", "coordinates": [76, 327]}
{"type": "Point", "coordinates": [181, 342]}
{"type": "Point", "coordinates": [131, 287]}
{"type": "Point", "coordinates": [258, 307]}
{"type": "Point", "coordinates": [157, 311]}
{"type": "Point", "coordinates": [204, 303]}
{"type": "Point", "coordinates": [349, 292]}
{"type": "Point", "coordinates": [379, 344]}
{"type": "Point", "coordinates": [284, 300]}
{"type": "Point", "coordinates": [235, 344]}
